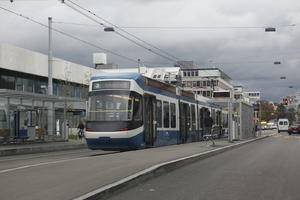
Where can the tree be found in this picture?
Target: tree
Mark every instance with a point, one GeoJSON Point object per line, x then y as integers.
{"type": "Point", "coordinates": [291, 114]}
{"type": "Point", "coordinates": [282, 112]}
{"type": "Point", "coordinates": [267, 110]}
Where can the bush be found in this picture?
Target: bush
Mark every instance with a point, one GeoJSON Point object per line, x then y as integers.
{"type": "Point", "coordinates": [73, 137]}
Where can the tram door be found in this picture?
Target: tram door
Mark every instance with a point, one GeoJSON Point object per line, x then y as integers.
{"type": "Point", "coordinates": [184, 122]}
{"type": "Point", "coordinates": [149, 119]}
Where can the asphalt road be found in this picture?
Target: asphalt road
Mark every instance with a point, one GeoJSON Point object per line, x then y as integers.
{"type": "Point", "coordinates": [70, 174]}
{"type": "Point", "coordinates": [266, 169]}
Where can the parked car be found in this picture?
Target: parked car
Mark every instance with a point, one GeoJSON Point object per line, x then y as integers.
{"type": "Point", "coordinates": [283, 125]}
{"type": "Point", "coordinates": [294, 128]}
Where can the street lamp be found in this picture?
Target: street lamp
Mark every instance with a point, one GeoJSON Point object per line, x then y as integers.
{"type": "Point", "coordinates": [109, 29]}
{"type": "Point", "coordinates": [270, 29]}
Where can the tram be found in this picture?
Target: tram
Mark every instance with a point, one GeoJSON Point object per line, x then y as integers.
{"type": "Point", "coordinates": [129, 111]}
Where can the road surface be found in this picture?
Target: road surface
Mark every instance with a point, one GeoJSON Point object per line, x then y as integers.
{"type": "Point", "coordinates": [266, 169]}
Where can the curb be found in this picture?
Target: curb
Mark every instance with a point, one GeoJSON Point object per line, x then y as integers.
{"type": "Point", "coordinates": [40, 149]}
{"type": "Point", "coordinates": [156, 170]}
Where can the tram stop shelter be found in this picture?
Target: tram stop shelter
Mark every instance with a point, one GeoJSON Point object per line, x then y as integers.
{"type": "Point", "coordinates": [28, 116]}
{"type": "Point", "coordinates": [241, 123]}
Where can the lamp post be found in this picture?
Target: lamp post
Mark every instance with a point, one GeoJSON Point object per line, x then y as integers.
{"type": "Point", "coordinates": [270, 29]}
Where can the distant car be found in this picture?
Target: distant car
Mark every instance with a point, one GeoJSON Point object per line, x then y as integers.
{"type": "Point", "coordinates": [283, 125]}
{"type": "Point", "coordinates": [294, 128]}
{"type": "Point", "coordinates": [272, 125]}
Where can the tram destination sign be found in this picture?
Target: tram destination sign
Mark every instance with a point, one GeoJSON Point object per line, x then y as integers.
{"type": "Point", "coordinates": [111, 85]}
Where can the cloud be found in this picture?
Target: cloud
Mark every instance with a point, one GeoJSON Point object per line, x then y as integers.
{"type": "Point", "coordinates": [247, 55]}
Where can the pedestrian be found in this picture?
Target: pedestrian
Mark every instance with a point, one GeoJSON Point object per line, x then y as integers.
{"type": "Point", "coordinates": [208, 123]}
{"type": "Point", "coordinates": [80, 131]}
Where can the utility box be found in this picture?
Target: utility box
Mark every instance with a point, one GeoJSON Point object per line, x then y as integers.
{"type": "Point", "coordinates": [99, 59]}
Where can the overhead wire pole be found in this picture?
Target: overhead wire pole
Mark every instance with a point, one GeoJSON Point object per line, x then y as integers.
{"type": "Point", "coordinates": [50, 112]}
{"type": "Point", "coordinates": [50, 57]}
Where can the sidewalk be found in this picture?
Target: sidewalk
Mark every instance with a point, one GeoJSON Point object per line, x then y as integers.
{"type": "Point", "coordinates": [18, 149]}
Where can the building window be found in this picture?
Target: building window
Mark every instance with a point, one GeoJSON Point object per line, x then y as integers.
{"type": "Point", "coordinates": [194, 83]}
{"type": "Point", "coordinates": [158, 113]}
{"type": "Point", "coordinates": [198, 83]}
{"type": "Point", "coordinates": [8, 82]}
{"type": "Point", "coordinates": [78, 91]}
{"type": "Point", "coordinates": [208, 93]}
{"type": "Point", "coordinates": [154, 76]}
{"type": "Point", "coordinates": [188, 73]}
{"type": "Point", "coordinates": [40, 87]}
{"type": "Point", "coordinates": [28, 85]}
{"type": "Point", "coordinates": [173, 115]}
{"type": "Point", "coordinates": [184, 73]}
{"type": "Point", "coordinates": [166, 114]}
{"type": "Point", "coordinates": [204, 83]}
{"type": "Point", "coordinates": [19, 84]}
{"type": "Point", "coordinates": [193, 73]}
{"type": "Point", "coordinates": [208, 83]}
{"type": "Point", "coordinates": [196, 73]}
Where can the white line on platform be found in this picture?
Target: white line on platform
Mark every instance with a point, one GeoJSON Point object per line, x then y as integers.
{"type": "Point", "coordinates": [153, 168]}
{"type": "Point", "coordinates": [39, 164]}
{"type": "Point", "coordinates": [46, 154]}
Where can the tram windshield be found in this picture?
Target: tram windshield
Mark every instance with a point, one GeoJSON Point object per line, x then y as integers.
{"type": "Point", "coordinates": [115, 106]}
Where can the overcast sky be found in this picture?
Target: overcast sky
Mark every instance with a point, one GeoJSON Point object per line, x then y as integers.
{"type": "Point", "coordinates": [245, 54]}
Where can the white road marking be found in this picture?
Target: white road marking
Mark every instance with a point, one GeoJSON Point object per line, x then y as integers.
{"type": "Point", "coordinates": [49, 154]}
{"type": "Point", "coordinates": [40, 164]}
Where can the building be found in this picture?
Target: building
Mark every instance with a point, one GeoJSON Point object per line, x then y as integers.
{"type": "Point", "coordinates": [205, 81]}
{"type": "Point", "coordinates": [24, 95]}
{"type": "Point", "coordinates": [254, 97]}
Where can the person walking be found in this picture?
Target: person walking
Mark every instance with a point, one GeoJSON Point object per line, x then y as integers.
{"type": "Point", "coordinates": [80, 132]}
{"type": "Point", "coordinates": [209, 122]}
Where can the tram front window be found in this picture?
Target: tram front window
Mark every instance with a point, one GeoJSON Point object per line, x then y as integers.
{"type": "Point", "coordinates": [115, 106]}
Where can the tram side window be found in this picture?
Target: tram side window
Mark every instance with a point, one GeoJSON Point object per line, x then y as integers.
{"type": "Point", "coordinates": [159, 113]}
{"type": "Point", "coordinates": [193, 117]}
{"type": "Point", "coordinates": [137, 109]}
{"type": "Point", "coordinates": [166, 114]}
{"type": "Point", "coordinates": [173, 115]}
{"type": "Point", "coordinates": [189, 116]}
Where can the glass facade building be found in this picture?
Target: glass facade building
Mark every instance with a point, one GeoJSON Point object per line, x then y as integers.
{"type": "Point", "coordinates": [37, 84]}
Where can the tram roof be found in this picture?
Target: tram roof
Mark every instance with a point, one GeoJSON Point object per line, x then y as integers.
{"type": "Point", "coordinates": [117, 75]}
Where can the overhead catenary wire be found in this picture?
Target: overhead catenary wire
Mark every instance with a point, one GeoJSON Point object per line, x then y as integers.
{"type": "Point", "coordinates": [162, 53]}
{"type": "Point", "coordinates": [70, 36]}
{"type": "Point", "coordinates": [201, 27]}
{"type": "Point", "coordinates": [82, 8]}
{"type": "Point", "coordinates": [181, 27]}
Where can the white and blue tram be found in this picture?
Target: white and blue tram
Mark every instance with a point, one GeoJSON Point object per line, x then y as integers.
{"type": "Point", "coordinates": [129, 111]}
